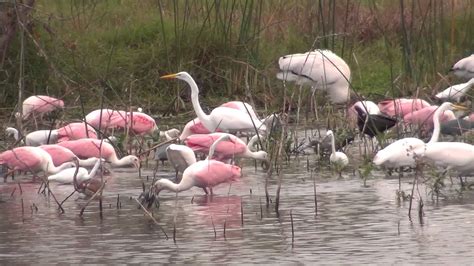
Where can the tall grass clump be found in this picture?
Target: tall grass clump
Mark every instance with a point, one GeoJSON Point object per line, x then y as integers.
{"type": "Point", "coordinates": [231, 47]}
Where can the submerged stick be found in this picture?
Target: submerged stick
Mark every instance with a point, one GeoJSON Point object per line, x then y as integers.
{"type": "Point", "coordinates": [292, 228]}
{"type": "Point", "coordinates": [93, 196]}
{"type": "Point", "coordinates": [241, 213]}
{"type": "Point", "coordinates": [214, 227]}
{"type": "Point", "coordinates": [152, 218]}
{"type": "Point", "coordinates": [315, 197]}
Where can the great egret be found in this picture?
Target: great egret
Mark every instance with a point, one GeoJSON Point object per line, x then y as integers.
{"type": "Point", "coordinates": [223, 118]}
{"type": "Point", "coordinates": [337, 158]}
{"type": "Point", "coordinates": [320, 69]}
{"type": "Point", "coordinates": [405, 152]}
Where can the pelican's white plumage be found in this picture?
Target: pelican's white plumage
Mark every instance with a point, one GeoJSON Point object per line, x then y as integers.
{"type": "Point", "coordinates": [320, 69]}
{"type": "Point", "coordinates": [464, 68]}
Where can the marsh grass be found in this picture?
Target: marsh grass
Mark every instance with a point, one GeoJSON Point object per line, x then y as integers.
{"type": "Point", "coordinates": [231, 47]}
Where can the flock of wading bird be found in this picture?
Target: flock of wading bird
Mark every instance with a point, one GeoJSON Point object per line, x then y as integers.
{"type": "Point", "coordinates": [64, 154]}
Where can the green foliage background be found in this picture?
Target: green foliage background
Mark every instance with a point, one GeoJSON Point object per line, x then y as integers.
{"type": "Point", "coordinates": [231, 47]}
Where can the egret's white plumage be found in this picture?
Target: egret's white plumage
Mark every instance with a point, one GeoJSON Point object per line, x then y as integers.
{"type": "Point", "coordinates": [464, 68]}
{"type": "Point", "coordinates": [457, 156]}
{"type": "Point", "coordinates": [320, 69]}
{"type": "Point", "coordinates": [224, 118]}
{"type": "Point", "coordinates": [337, 157]}
{"type": "Point", "coordinates": [456, 92]}
{"type": "Point", "coordinates": [405, 152]}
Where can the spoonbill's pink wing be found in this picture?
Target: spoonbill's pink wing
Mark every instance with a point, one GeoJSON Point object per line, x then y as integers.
{"type": "Point", "coordinates": [209, 173]}
{"type": "Point", "coordinates": [21, 159]}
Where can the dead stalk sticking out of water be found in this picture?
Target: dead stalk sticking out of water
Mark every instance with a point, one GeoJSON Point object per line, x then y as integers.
{"type": "Point", "coordinates": [292, 229]}
{"type": "Point", "coordinates": [152, 218]}
{"type": "Point", "coordinates": [315, 197]}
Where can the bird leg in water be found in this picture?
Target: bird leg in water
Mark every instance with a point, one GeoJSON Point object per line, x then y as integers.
{"type": "Point", "coordinates": [462, 182]}
{"type": "Point", "coordinates": [10, 172]}
{"type": "Point", "coordinates": [205, 190]}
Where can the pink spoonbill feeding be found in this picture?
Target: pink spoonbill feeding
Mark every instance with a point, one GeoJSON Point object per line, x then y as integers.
{"type": "Point", "coordinates": [31, 159]}
{"type": "Point", "coordinates": [88, 148]}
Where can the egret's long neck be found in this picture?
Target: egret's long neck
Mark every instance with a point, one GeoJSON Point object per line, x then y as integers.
{"type": "Point", "coordinates": [51, 169]}
{"type": "Point", "coordinates": [203, 117]}
{"type": "Point", "coordinates": [94, 170]}
{"type": "Point", "coordinates": [437, 127]}
{"type": "Point", "coordinates": [168, 185]}
{"type": "Point", "coordinates": [333, 144]}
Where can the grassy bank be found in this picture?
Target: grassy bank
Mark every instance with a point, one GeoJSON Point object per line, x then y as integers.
{"type": "Point", "coordinates": [121, 47]}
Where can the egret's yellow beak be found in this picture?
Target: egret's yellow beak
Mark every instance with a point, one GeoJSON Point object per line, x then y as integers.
{"type": "Point", "coordinates": [170, 76]}
{"type": "Point", "coordinates": [459, 107]}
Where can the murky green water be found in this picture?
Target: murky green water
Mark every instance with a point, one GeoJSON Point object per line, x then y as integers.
{"type": "Point", "coordinates": [354, 224]}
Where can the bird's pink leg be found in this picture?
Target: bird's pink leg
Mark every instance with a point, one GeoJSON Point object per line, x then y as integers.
{"type": "Point", "coordinates": [210, 189]}
{"type": "Point", "coordinates": [205, 190]}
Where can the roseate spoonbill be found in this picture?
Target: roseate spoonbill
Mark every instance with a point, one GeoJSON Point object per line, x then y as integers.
{"type": "Point", "coordinates": [180, 157]}
{"type": "Point", "coordinates": [35, 138]}
{"type": "Point", "coordinates": [32, 159]}
{"type": "Point", "coordinates": [60, 155]}
{"type": "Point", "coordinates": [401, 107]}
{"type": "Point", "coordinates": [455, 92]}
{"type": "Point", "coordinates": [321, 69]}
{"type": "Point", "coordinates": [204, 174]}
{"type": "Point", "coordinates": [105, 118]}
{"type": "Point", "coordinates": [337, 158]}
{"type": "Point", "coordinates": [464, 68]}
{"type": "Point", "coordinates": [78, 130]}
{"type": "Point", "coordinates": [87, 148]}
{"type": "Point", "coordinates": [139, 123]}
{"type": "Point", "coordinates": [223, 118]}
{"type": "Point", "coordinates": [224, 150]}
{"type": "Point", "coordinates": [373, 124]}
{"type": "Point", "coordinates": [404, 152]}
{"type": "Point", "coordinates": [424, 118]}
{"type": "Point", "coordinates": [39, 104]}
{"type": "Point", "coordinates": [66, 176]}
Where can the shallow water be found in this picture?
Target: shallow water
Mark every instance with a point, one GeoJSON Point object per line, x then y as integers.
{"type": "Point", "coordinates": [354, 223]}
